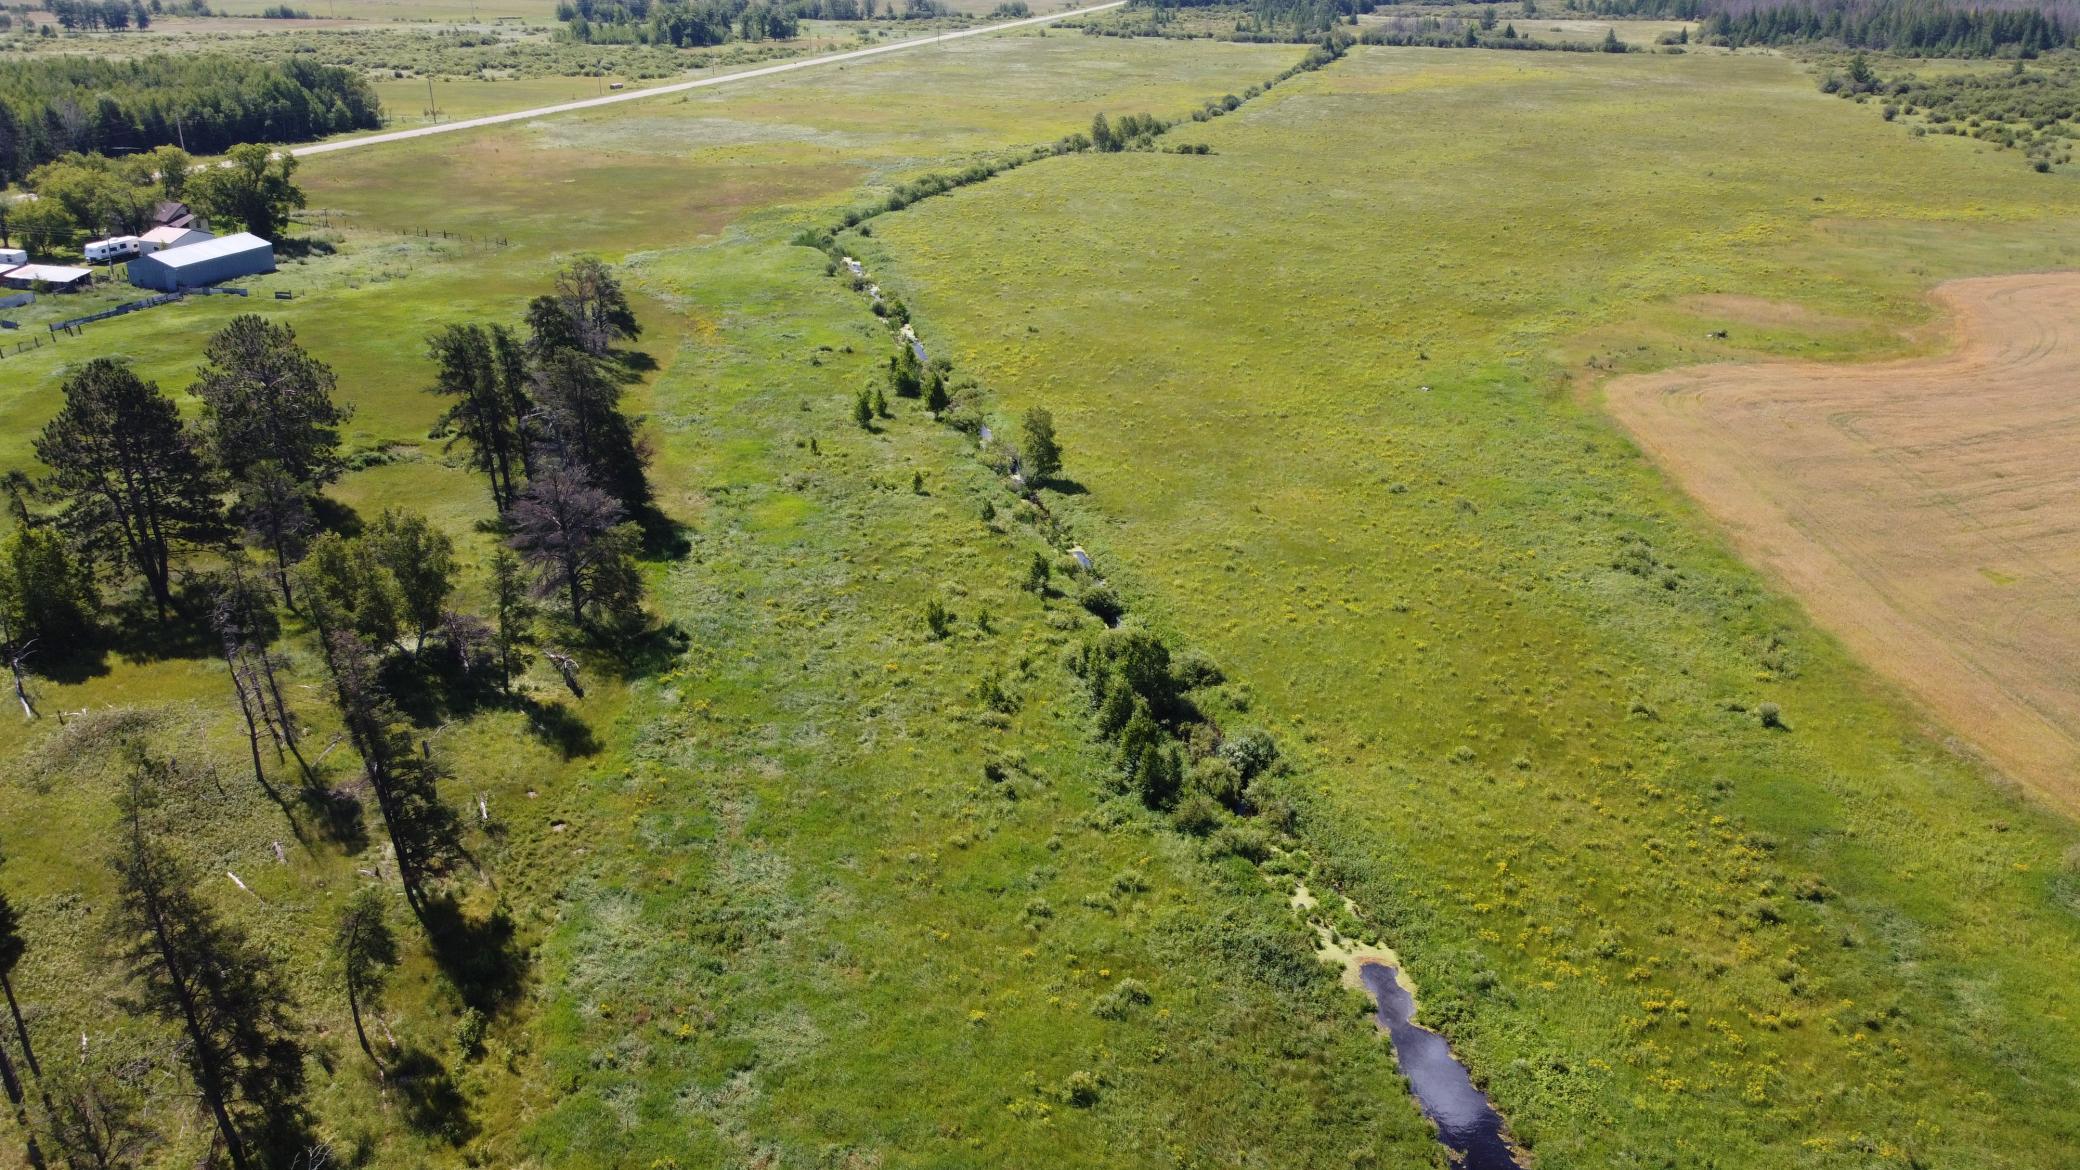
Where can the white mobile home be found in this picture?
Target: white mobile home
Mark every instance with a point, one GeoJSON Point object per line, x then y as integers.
{"type": "Point", "coordinates": [113, 248]}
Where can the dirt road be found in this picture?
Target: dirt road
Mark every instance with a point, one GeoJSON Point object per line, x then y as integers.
{"type": "Point", "coordinates": [699, 83]}
{"type": "Point", "coordinates": [1925, 511]}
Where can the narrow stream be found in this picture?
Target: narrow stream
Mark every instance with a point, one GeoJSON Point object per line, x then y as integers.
{"type": "Point", "coordinates": [1466, 1122]}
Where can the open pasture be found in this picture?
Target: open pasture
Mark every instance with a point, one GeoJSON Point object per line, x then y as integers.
{"type": "Point", "coordinates": [1679, 878]}
{"type": "Point", "coordinates": [1920, 509]}
{"type": "Point", "coordinates": [778, 910]}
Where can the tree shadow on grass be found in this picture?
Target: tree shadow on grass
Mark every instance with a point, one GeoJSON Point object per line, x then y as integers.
{"type": "Point", "coordinates": [650, 652]}
{"type": "Point", "coordinates": [1063, 486]}
{"type": "Point", "coordinates": [559, 727]}
{"type": "Point", "coordinates": [303, 247]}
{"type": "Point", "coordinates": [429, 1098]}
{"type": "Point", "coordinates": [478, 955]}
{"type": "Point", "coordinates": [335, 813]}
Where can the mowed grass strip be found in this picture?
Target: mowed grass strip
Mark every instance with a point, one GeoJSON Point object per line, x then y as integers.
{"type": "Point", "coordinates": [1321, 389]}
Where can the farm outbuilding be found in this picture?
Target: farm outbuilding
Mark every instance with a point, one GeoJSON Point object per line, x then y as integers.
{"type": "Point", "coordinates": [206, 263]}
{"type": "Point", "coordinates": [12, 258]}
{"type": "Point", "coordinates": [57, 277]}
{"type": "Point", "coordinates": [159, 239]}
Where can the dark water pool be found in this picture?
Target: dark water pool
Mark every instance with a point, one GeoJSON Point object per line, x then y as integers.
{"type": "Point", "coordinates": [1466, 1122]}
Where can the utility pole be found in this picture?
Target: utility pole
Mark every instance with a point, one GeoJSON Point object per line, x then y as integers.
{"type": "Point", "coordinates": [433, 109]}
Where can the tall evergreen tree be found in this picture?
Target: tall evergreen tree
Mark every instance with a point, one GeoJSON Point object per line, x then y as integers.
{"type": "Point", "coordinates": [581, 424]}
{"type": "Point", "coordinates": [479, 370]}
{"type": "Point", "coordinates": [512, 616]}
{"type": "Point", "coordinates": [365, 950]}
{"type": "Point", "coordinates": [205, 976]}
{"type": "Point", "coordinates": [594, 305]}
{"type": "Point", "coordinates": [567, 529]}
{"type": "Point", "coordinates": [422, 829]}
{"type": "Point", "coordinates": [12, 947]}
{"type": "Point", "coordinates": [275, 510]}
{"type": "Point", "coordinates": [131, 473]}
{"type": "Point", "coordinates": [266, 400]}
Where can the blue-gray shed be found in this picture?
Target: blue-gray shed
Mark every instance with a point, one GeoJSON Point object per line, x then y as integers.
{"type": "Point", "coordinates": [206, 263]}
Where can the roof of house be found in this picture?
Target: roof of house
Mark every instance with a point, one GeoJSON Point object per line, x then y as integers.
{"type": "Point", "coordinates": [165, 234]}
{"type": "Point", "coordinates": [173, 214]}
{"type": "Point", "coordinates": [208, 250]}
{"type": "Point", "coordinates": [53, 273]}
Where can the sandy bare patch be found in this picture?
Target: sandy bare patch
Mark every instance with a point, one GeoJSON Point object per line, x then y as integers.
{"type": "Point", "coordinates": [1926, 511]}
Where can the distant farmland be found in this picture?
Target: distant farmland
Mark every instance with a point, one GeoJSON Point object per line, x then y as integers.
{"type": "Point", "coordinates": [1922, 509]}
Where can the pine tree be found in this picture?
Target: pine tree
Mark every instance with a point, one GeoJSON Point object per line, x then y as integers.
{"type": "Point", "coordinates": [560, 527]}
{"type": "Point", "coordinates": [131, 473]}
{"type": "Point", "coordinates": [365, 950]}
{"type": "Point", "coordinates": [477, 368]}
{"type": "Point", "coordinates": [512, 616]}
{"type": "Point", "coordinates": [205, 976]}
{"type": "Point", "coordinates": [267, 400]}
{"type": "Point", "coordinates": [422, 829]}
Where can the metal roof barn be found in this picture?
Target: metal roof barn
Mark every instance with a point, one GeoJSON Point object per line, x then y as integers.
{"type": "Point", "coordinates": [51, 274]}
{"type": "Point", "coordinates": [210, 262]}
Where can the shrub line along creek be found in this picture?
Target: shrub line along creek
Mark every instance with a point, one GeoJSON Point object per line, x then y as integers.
{"type": "Point", "coordinates": [1467, 1123]}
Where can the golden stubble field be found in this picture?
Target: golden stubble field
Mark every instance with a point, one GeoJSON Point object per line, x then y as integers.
{"type": "Point", "coordinates": [1924, 510]}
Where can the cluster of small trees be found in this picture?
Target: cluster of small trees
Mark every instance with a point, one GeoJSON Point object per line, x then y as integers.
{"type": "Point", "coordinates": [679, 23]}
{"type": "Point", "coordinates": [541, 418]}
{"type": "Point", "coordinates": [99, 14]}
{"type": "Point", "coordinates": [2017, 108]}
{"type": "Point", "coordinates": [696, 23]}
{"type": "Point", "coordinates": [1455, 33]}
{"type": "Point", "coordinates": [1166, 751]}
{"type": "Point", "coordinates": [89, 195]}
{"type": "Point", "coordinates": [1130, 132]}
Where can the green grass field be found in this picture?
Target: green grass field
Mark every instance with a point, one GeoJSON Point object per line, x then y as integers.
{"type": "Point", "coordinates": [797, 895]}
{"type": "Point", "coordinates": [1325, 391]}
{"type": "Point", "coordinates": [771, 899]}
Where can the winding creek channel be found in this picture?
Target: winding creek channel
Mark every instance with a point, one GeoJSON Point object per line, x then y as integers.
{"type": "Point", "coordinates": [1466, 1122]}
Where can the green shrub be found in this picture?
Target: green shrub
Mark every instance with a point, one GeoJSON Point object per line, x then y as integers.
{"type": "Point", "coordinates": [1101, 600]}
{"type": "Point", "coordinates": [1251, 752]}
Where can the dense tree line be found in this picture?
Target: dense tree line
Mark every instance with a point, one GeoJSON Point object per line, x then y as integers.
{"type": "Point", "coordinates": [1928, 28]}
{"type": "Point", "coordinates": [697, 23]}
{"type": "Point", "coordinates": [59, 104]}
{"type": "Point", "coordinates": [1285, 20]}
{"type": "Point", "coordinates": [679, 23]}
{"type": "Point", "coordinates": [1455, 33]}
{"type": "Point", "coordinates": [541, 419]}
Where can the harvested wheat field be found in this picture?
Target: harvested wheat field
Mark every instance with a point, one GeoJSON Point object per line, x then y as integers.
{"type": "Point", "coordinates": [1924, 510]}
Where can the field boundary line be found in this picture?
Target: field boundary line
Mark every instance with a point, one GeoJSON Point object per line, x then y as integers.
{"type": "Point", "coordinates": [697, 83]}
